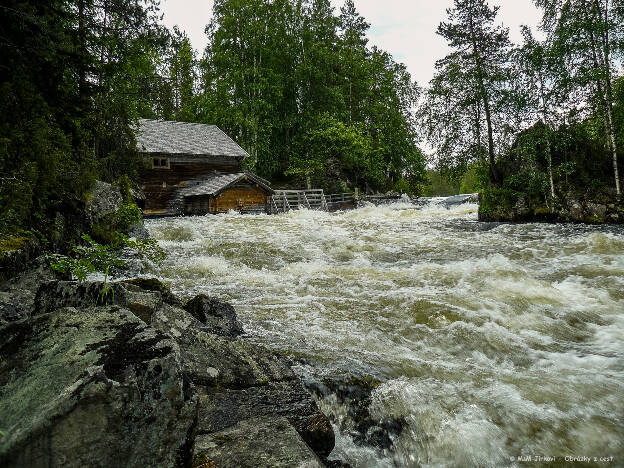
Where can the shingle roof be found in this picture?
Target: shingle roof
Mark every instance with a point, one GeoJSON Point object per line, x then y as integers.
{"type": "Point", "coordinates": [213, 184]}
{"type": "Point", "coordinates": [168, 137]}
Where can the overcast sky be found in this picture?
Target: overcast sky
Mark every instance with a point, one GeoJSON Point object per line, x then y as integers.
{"type": "Point", "coordinates": [404, 28]}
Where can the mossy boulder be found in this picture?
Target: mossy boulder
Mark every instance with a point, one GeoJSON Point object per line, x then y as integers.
{"type": "Point", "coordinates": [218, 317]}
{"type": "Point", "coordinates": [15, 254]}
{"type": "Point", "coordinates": [91, 387]}
{"type": "Point", "coordinates": [253, 443]}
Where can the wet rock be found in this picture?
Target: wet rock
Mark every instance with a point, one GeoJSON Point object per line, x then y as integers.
{"type": "Point", "coordinates": [17, 296]}
{"type": "Point", "coordinates": [221, 408]}
{"type": "Point", "coordinates": [354, 394]}
{"type": "Point", "coordinates": [57, 294]}
{"type": "Point", "coordinates": [105, 199]}
{"type": "Point", "coordinates": [16, 253]}
{"type": "Point", "coordinates": [140, 302]}
{"type": "Point", "coordinates": [218, 317]}
{"type": "Point", "coordinates": [91, 387]}
{"type": "Point", "coordinates": [214, 361]}
{"type": "Point", "coordinates": [238, 380]}
{"type": "Point", "coordinates": [596, 212]}
{"type": "Point", "coordinates": [112, 337]}
{"type": "Point", "coordinates": [253, 443]}
{"type": "Point", "coordinates": [153, 284]}
{"type": "Point", "coordinates": [138, 231]}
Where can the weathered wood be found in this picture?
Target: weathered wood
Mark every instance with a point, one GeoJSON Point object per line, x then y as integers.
{"type": "Point", "coordinates": [160, 185]}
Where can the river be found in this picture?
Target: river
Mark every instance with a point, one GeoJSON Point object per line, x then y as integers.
{"type": "Point", "coordinates": [489, 342]}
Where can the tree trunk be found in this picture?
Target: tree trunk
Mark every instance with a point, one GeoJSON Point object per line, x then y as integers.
{"type": "Point", "coordinates": [486, 103]}
{"type": "Point", "coordinates": [477, 115]}
{"type": "Point", "coordinates": [602, 61]}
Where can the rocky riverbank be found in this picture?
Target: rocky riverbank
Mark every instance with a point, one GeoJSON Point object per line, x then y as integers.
{"type": "Point", "coordinates": [130, 376]}
{"type": "Point", "coordinates": [590, 207]}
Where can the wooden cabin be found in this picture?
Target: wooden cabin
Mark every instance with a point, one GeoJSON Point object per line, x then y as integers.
{"type": "Point", "coordinates": [192, 168]}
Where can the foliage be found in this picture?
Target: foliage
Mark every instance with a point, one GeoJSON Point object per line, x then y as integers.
{"type": "Point", "coordinates": [275, 73]}
{"type": "Point", "coordinates": [465, 107]}
{"type": "Point", "coordinates": [93, 257]}
{"type": "Point", "coordinates": [76, 75]}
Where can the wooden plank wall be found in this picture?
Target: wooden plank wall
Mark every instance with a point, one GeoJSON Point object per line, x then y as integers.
{"type": "Point", "coordinates": [160, 185]}
{"type": "Point", "coordinates": [230, 199]}
{"type": "Point", "coordinates": [237, 198]}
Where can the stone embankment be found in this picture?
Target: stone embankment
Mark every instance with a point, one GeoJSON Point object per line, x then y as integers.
{"type": "Point", "coordinates": [127, 375]}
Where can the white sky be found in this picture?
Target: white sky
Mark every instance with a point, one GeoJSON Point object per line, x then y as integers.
{"type": "Point", "coordinates": [404, 28]}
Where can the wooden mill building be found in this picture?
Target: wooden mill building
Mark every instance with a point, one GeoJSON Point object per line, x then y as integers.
{"type": "Point", "coordinates": [195, 169]}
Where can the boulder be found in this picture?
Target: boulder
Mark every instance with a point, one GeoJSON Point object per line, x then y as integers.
{"type": "Point", "coordinates": [138, 231]}
{"type": "Point", "coordinates": [214, 361]}
{"type": "Point", "coordinates": [91, 387]}
{"type": "Point", "coordinates": [57, 294]}
{"type": "Point", "coordinates": [153, 284]}
{"type": "Point", "coordinates": [221, 408]}
{"type": "Point", "coordinates": [112, 339]}
{"type": "Point", "coordinates": [17, 296]}
{"type": "Point", "coordinates": [596, 212]}
{"type": "Point", "coordinates": [253, 443]}
{"type": "Point", "coordinates": [237, 380]}
{"type": "Point", "coordinates": [217, 316]}
{"type": "Point", "coordinates": [105, 199]}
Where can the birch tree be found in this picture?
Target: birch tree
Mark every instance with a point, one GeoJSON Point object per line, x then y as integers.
{"type": "Point", "coordinates": [590, 33]}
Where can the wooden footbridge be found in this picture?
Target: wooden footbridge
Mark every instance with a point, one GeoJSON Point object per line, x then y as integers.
{"type": "Point", "coordinates": [283, 201]}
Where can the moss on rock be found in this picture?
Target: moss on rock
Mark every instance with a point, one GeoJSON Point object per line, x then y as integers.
{"type": "Point", "coordinates": [154, 284]}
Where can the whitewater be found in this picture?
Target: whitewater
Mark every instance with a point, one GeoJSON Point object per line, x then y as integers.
{"type": "Point", "coordinates": [490, 342]}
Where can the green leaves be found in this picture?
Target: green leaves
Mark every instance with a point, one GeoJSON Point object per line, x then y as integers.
{"type": "Point", "coordinates": [92, 257]}
{"type": "Point", "coordinates": [296, 85]}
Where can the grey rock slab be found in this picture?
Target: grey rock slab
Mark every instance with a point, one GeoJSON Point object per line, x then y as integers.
{"type": "Point", "coordinates": [174, 321]}
{"type": "Point", "coordinates": [218, 317]}
{"type": "Point", "coordinates": [259, 442]}
{"type": "Point", "coordinates": [221, 408]}
{"type": "Point", "coordinates": [214, 361]}
{"type": "Point", "coordinates": [57, 294]}
{"type": "Point", "coordinates": [105, 199]}
{"type": "Point", "coordinates": [91, 387]}
{"type": "Point", "coordinates": [17, 296]}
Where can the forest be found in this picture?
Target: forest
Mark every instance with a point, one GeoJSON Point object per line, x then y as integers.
{"type": "Point", "coordinates": [298, 86]}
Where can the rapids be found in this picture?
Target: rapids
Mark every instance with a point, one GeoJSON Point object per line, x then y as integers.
{"type": "Point", "coordinates": [492, 342]}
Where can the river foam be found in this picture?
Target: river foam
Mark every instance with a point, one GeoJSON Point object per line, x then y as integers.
{"type": "Point", "coordinates": [490, 341]}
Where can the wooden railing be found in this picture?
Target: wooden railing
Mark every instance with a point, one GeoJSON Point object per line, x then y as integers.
{"type": "Point", "coordinates": [287, 200]}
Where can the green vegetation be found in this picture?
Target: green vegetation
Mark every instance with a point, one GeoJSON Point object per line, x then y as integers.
{"type": "Point", "coordinates": [543, 118]}
{"type": "Point", "coordinates": [296, 83]}
{"type": "Point", "coordinates": [92, 257]}
{"type": "Point", "coordinates": [297, 86]}
{"type": "Point", "coordinates": [76, 74]}
{"type": "Point", "coordinates": [13, 243]}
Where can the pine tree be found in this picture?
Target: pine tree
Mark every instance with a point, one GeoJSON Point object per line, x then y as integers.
{"type": "Point", "coordinates": [481, 51]}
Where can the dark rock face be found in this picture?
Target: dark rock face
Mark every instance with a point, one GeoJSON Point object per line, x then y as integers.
{"type": "Point", "coordinates": [354, 394]}
{"type": "Point", "coordinates": [256, 445]}
{"type": "Point", "coordinates": [152, 284]}
{"type": "Point", "coordinates": [17, 296]}
{"type": "Point", "coordinates": [91, 387]}
{"type": "Point", "coordinates": [57, 294]}
{"type": "Point", "coordinates": [220, 408]}
{"type": "Point", "coordinates": [238, 380]}
{"type": "Point", "coordinates": [138, 231]}
{"type": "Point", "coordinates": [105, 199]}
{"type": "Point", "coordinates": [96, 373]}
{"type": "Point", "coordinates": [219, 317]}
{"type": "Point", "coordinates": [592, 208]}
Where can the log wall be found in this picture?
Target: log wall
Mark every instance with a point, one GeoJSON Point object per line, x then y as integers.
{"type": "Point", "coordinates": [160, 184]}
